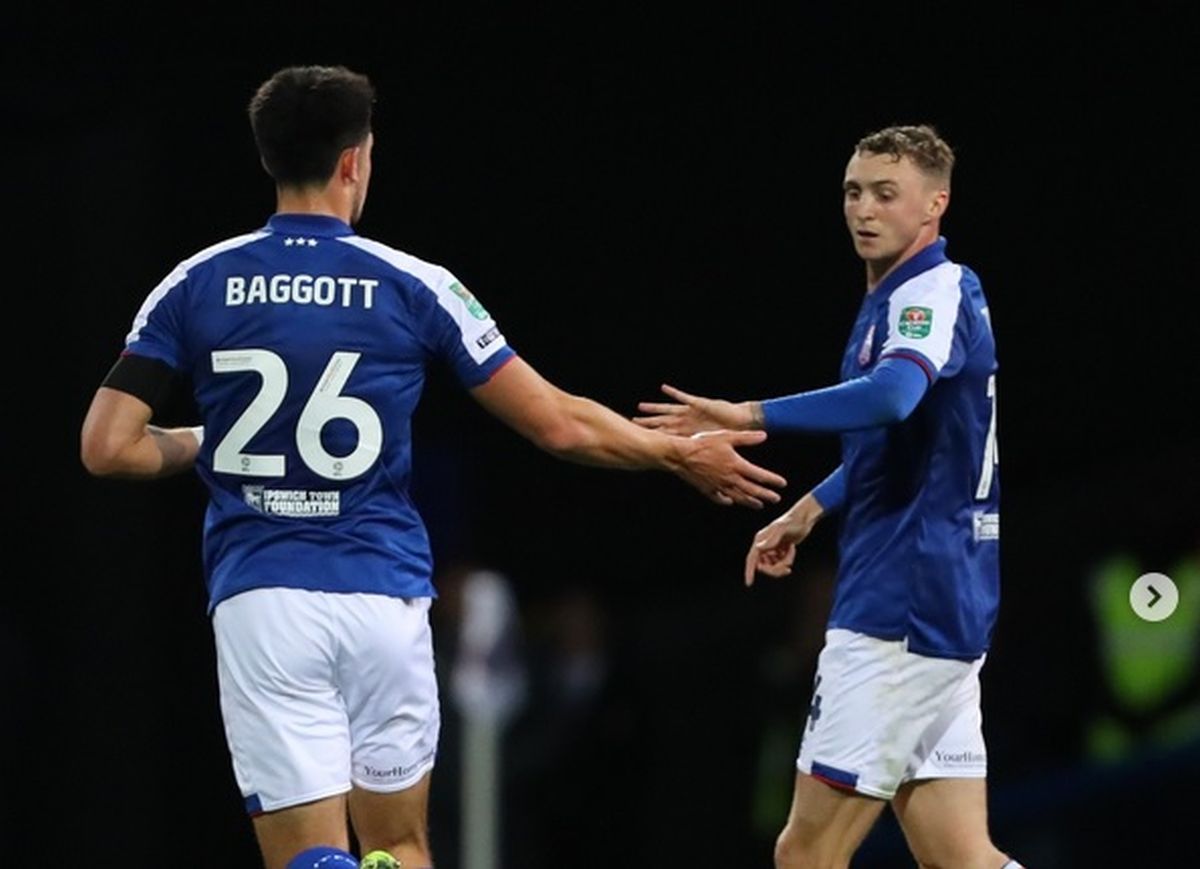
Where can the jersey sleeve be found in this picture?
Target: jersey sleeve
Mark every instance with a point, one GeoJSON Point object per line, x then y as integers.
{"type": "Point", "coordinates": [157, 331]}
{"type": "Point", "coordinates": [885, 396]}
{"type": "Point", "coordinates": [463, 333]}
{"type": "Point", "coordinates": [923, 324]}
{"type": "Point", "coordinates": [830, 493]}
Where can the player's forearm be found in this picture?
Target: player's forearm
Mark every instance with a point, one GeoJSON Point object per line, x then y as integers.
{"type": "Point", "coordinates": [589, 433]}
{"type": "Point", "coordinates": [885, 396]}
{"type": "Point", "coordinates": [824, 498]}
{"type": "Point", "coordinates": [805, 513]}
{"type": "Point", "coordinates": [157, 452]}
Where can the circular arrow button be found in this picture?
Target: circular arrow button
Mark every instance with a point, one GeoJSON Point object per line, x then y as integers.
{"type": "Point", "coordinates": [1154, 596]}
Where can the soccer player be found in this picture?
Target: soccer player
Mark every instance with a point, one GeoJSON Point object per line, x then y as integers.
{"type": "Point", "coordinates": [895, 713]}
{"type": "Point", "coordinates": [307, 347]}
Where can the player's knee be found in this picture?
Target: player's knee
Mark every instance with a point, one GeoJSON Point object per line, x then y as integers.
{"type": "Point", "coordinates": [795, 852]}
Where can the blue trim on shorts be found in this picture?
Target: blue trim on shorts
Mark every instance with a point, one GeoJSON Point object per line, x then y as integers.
{"type": "Point", "coordinates": [841, 777]}
{"type": "Point", "coordinates": [253, 805]}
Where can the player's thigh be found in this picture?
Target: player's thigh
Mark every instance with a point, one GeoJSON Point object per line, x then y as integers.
{"type": "Point", "coordinates": [285, 833]}
{"type": "Point", "coordinates": [872, 701]}
{"type": "Point", "coordinates": [825, 824]}
{"type": "Point", "coordinates": [395, 821]}
{"type": "Point", "coordinates": [387, 679]}
{"type": "Point", "coordinates": [952, 746]}
{"type": "Point", "coordinates": [946, 824]}
{"type": "Point", "coordinates": [285, 719]}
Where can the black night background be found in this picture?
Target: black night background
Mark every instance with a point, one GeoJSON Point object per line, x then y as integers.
{"type": "Point", "coordinates": [638, 197]}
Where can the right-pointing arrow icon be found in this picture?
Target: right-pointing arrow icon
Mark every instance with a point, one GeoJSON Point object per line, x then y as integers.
{"type": "Point", "coordinates": [1154, 597]}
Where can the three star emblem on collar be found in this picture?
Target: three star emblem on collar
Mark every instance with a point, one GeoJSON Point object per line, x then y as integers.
{"type": "Point", "coordinates": [300, 242]}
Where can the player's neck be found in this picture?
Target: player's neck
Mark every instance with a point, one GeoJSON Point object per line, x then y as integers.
{"type": "Point", "coordinates": [879, 269]}
{"type": "Point", "coordinates": [312, 201]}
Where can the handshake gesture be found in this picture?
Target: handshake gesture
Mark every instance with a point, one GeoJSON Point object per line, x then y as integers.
{"type": "Point", "coordinates": [774, 548]}
{"type": "Point", "coordinates": [691, 414]}
{"type": "Point", "coordinates": [710, 462]}
{"type": "Point", "coordinates": [722, 425]}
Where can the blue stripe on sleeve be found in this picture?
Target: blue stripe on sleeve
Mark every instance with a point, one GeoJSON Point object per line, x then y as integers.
{"type": "Point", "coordinates": [885, 396]}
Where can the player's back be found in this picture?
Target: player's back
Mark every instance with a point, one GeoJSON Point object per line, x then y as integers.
{"type": "Point", "coordinates": [307, 347]}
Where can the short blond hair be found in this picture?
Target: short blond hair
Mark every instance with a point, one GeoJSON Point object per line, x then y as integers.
{"type": "Point", "coordinates": [920, 143]}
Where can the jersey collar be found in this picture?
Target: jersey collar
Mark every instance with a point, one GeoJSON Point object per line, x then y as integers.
{"type": "Point", "coordinates": [922, 261]}
{"type": "Point", "coordinates": [309, 224]}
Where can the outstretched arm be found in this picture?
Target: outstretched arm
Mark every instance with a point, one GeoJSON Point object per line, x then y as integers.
{"type": "Point", "coordinates": [691, 414]}
{"type": "Point", "coordinates": [583, 431]}
{"type": "Point", "coordinates": [774, 547]}
{"type": "Point", "coordinates": [885, 396]}
{"type": "Point", "coordinates": [118, 440]}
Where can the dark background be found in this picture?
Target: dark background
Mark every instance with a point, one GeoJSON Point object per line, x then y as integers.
{"type": "Point", "coordinates": [637, 197]}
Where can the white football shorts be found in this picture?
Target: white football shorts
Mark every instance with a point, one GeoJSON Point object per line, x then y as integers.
{"type": "Point", "coordinates": [320, 691]}
{"type": "Point", "coordinates": [881, 716]}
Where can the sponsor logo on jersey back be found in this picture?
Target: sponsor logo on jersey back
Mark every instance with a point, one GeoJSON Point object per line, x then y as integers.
{"type": "Point", "coordinates": [293, 502]}
{"type": "Point", "coordinates": [987, 526]}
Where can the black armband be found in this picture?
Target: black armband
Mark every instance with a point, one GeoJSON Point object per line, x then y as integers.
{"type": "Point", "coordinates": [149, 379]}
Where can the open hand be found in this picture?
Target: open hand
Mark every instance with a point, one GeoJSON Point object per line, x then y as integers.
{"type": "Point", "coordinates": [711, 463]}
{"type": "Point", "coordinates": [691, 414]}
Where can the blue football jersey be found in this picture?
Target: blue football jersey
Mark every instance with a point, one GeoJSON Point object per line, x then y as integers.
{"type": "Point", "coordinates": [919, 539]}
{"type": "Point", "coordinates": [307, 347]}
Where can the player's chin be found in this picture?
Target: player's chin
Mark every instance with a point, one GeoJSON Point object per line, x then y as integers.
{"type": "Point", "coordinates": [874, 249]}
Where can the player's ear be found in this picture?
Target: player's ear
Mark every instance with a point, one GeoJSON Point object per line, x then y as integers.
{"type": "Point", "coordinates": [938, 203]}
{"type": "Point", "coordinates": [348, 166]}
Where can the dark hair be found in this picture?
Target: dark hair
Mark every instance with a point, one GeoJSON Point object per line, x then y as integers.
{"type": "Point", "coordinates": [921, 144]}
{"type": "Point", "coordinates": [303, 117]}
